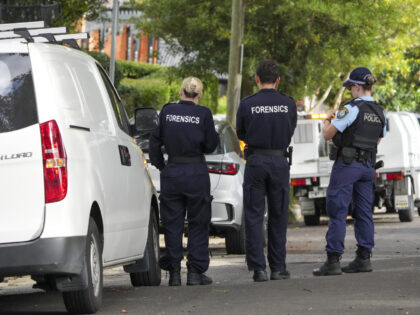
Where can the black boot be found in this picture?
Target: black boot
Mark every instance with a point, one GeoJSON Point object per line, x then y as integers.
{"type": "Point", "coordinates": [175, 276]}
{"type": "Point", "coordinates": [361, 263]}
{"type": "Point", "coordinates": [196, 278]}
{"type": "Point", "coordinates": [331, 267]}
{"type": "Point", "coordinates": [260, 276]}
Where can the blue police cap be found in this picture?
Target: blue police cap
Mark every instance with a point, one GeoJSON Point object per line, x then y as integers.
{"type": "Point", "coordinates": [358, 76]}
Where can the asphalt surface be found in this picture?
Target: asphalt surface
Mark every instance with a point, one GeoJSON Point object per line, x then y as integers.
{"type": "Point", "coordinates": [392, 288]}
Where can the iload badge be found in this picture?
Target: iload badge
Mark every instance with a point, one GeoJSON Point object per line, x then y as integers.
{"type": "Point", "coordinates": [342, 113]}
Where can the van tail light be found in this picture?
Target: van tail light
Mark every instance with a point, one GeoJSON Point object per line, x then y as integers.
{"type": "Point", "coordinates": [223, 168]}
{"type": "Point", "coordinates": [300, 181]}
{"type": "Point", "coordinates": [394, 176]}
{"type": "Point", "coordinates": [55, 162]}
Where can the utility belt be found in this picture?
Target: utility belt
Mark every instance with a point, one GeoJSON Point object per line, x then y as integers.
{"type": "Point", "coordinates": [349, 154]}
{"type": "Point", "coordinates": [287, 154]}
{"type": "Point", "coordinates": [186, 159]}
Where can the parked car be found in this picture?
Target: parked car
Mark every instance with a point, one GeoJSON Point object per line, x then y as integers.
{"type": "Point", "coordinates": [76, 194]}
{"type": "Point", "coordinates": [226, 167]}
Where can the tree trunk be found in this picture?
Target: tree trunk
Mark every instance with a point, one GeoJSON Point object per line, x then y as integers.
{"type": "Point", "coordinates": [235, 75]}
{"type": "Point", "coordinates": [326, 93]}
{"type": "Point", "coordinates": [339, 96]}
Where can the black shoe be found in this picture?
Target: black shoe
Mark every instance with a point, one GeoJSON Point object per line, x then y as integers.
{"type": "Point", "coordinates": [361, 263]}
{"type": "Point", "coordinates": [195, 278]}
{"type": "Point", "coordinates": [331, 267]}
{"type": "Point", "coordinates": [260, 276]}
{"type": "Point", "coordinates": [175, 277]}
{"type": "Point", "coordinates": [280, 275]}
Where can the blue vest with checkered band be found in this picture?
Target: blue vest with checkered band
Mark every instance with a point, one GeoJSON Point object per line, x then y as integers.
{"type": "Point", "coordinates": [366, 129]}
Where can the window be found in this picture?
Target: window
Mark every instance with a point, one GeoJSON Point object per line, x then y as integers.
{"type": "Point", "coordinates": [119, 110]}
{"type": "Point", "coordinates": [17, 95]}
{"type": "Point", "coordinates": [303, 134]}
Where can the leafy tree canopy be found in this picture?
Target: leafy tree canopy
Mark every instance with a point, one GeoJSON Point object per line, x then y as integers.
{"type": "Point", "coordinates": [315, 42]}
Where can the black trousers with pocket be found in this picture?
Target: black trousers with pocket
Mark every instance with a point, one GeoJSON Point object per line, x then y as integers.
{"type": "Point", "coordinates": [185, 190]}
{"type": "Point", "coordinates": [266, 176]}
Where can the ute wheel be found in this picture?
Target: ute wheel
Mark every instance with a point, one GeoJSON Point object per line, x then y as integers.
{"type": "Point", "coordinates": [152, 277]}
{"type": "Point", "coordinates": [311, 220]}
{"type": "Point", "coordinates": [88, 301]}
{"type": "Point", "coordinates": [407, 215]}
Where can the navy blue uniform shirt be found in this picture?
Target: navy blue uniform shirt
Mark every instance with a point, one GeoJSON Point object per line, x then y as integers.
{"type": "Point", "coordinates": [185, 129]}
{"type": "Point", "coordinates": [266, 120]}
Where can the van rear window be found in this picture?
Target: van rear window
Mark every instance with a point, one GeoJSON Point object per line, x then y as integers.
{"type": "Point", "coordinates": [17, 95]}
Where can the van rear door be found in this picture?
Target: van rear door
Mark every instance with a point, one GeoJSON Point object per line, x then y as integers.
{"type": "Point", "coordinates": [21, 168]}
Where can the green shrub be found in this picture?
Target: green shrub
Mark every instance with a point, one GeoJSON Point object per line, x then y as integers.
{"type": "Point", "coordinates": [143, 93]}
{"type": "Point", "coordinates": [104, 61]}
{"type": "Point", "coordinates": [137, 70]}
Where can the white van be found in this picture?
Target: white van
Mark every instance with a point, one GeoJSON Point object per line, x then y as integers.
{"type": "Point", "coordinates": [76, 195]}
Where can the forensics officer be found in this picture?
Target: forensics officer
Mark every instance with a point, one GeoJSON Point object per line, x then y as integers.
{"type": "Point", "coordinates": [187, 132]}
{"type": "Point", "coordinates": [266, 121]}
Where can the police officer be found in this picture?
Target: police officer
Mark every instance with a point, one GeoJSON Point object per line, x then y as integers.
{"type": "Point", "coordinates": [266, 121]}
{"type": "Point", "coordinates": [187, 132]}
{"type": "Point", "coordinates": [356, 132]}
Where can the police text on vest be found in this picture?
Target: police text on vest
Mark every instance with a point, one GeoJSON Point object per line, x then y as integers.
{"type": "Point", "coordinates": [183, 119]}
{"type": "Point", "coordinates": [267, 109]}
{"type": "Point", "coordinates": [371, 118]}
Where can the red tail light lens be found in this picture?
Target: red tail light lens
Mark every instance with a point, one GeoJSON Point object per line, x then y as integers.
{"type": "Point", "coordinates": [300, 181]}
{"type": "Point", "coordinates": [55, 162]}
{"type": "Point", "coordinates": [223, 168]}
{"type": "Point", "coordinates": [394, 176]}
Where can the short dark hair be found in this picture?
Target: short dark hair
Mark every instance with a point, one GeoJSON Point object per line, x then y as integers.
{"type": "Point", "coordinates": [268, 71]}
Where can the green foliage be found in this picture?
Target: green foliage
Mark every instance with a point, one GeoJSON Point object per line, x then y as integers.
{"type": "Point", "coordinates": [137, 70]}
{"type": "Point", "coordinates": [73, 10]}
{"type": "Point", "coordinates": [104, 61]}
{"type": "Point", "coordinates": [315, 42]}
{"type": "Point", "coordinates": [146, 85]}
{"type": "Point", "coordinates": [143, 93]}
{"type": "Point", "coordinates": [399, 82]}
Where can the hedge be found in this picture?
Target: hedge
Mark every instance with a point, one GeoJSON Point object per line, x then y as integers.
{"type": "Point", "coordinates": [137, 70]}
{"type": "Point", "coordinates": [147, 85]}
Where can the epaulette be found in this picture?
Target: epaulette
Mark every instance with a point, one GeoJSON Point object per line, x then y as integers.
{"type": "Point", "coordinates": [170, 103]}
{"type": "Point", "coordinates": [247, 97]}
{"type": "Point", "coordinates": [288, 96]}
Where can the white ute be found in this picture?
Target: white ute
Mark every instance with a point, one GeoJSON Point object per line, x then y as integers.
{"type": "Point", "coordinates": [311, 168]}
{"type": "Point", "coordinates": [76, 195]}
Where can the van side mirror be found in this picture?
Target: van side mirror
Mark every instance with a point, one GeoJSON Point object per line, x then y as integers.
{"type": "Point", "coordinates": [146, 120]}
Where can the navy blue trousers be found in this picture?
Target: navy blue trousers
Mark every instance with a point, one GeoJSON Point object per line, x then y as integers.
{"type": "Point", "coordinates": [266, 176]}
{"type": "Point", "coordinates": [350, 183]}
{"type": "Point", "coordinates": [185, 189]}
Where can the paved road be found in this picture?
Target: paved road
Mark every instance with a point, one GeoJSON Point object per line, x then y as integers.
{"type": "Point", "coordinates": [393, 287]}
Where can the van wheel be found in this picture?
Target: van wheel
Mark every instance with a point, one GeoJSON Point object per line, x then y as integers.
{"type": "Point", "coordinates": [152, 277]}
{"type": "Point", "coordinates": [88, 301]}
{"type": "Point", "coordinates": [407, 215]}
{"type": "Point", "coordinates": [311, 220]}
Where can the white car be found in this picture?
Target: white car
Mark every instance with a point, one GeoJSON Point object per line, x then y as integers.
{"type": "Point", "coordinates": [76, 195]}
{"type": "Point", "coordinates": [226, 168]}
